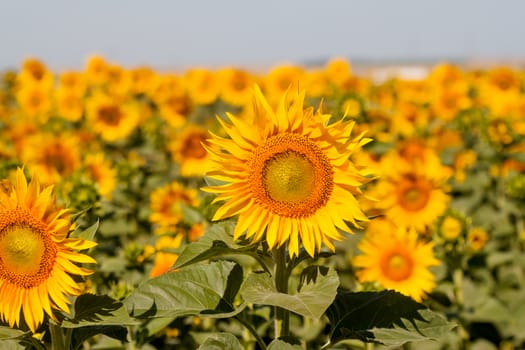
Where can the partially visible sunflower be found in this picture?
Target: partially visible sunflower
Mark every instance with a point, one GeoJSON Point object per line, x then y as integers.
{"type": "Point", "coordinates": [287, 175]}
{"type": "Point", "coordinates": [166, 204]}
{"type": "Point", "coordinates": [235, 85]}
{"type": "Point", "coordinates": [52, 156]}
{"type": "Point", "coordinates": [396, 260]}
{"type": "Point", "coordinates": [164, 258]}
{"type": "Point", "coordinates": [35, 72]}
{"type": "Point", "coordinates": [70, 104]}
{"type": "Point", "coordinates": [37, 255]}
{"type": "Point", "coordinates": [187, 150]}
{"type": "Point", "coordinates": [101, 171]}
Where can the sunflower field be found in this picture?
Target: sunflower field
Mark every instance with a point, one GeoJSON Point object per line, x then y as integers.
{"type": "Point", "coordinates": [295, 208]}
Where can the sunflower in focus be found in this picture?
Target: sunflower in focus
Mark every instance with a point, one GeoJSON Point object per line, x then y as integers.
{"type": "Point", "coordinates": [395, 259]}
{"type": "Point", "coordinates": [287, 175]}
{"type": "Point", "coordinates": [36, 255]}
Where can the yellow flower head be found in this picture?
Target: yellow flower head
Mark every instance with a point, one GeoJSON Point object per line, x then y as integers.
{"type": "Point", "coordinates": [235, 86]}
{"type": "Point", "coordinates": [396, 260]}
{"type": "Point", "coordinates": [112, 119]}
{"type": "Point", "coordinates": [287, 175]}
{"type": "Point", "coordinates": [167, 203]}
{"type": "Point", "coordinates": [188, 151]}
{"type": "Point", "coordinates": [52, 156]}
{"type": "Point", "coordinates": [36, 254]}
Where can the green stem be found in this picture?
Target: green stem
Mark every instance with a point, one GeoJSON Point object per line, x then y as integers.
{"type": "Point", "coordinates": [457, 277]}
{"type": "Point", "coordinates": [252, 330]}
{"type": "Point", "coordinates": [282, 316]}
{"type": "Point", "coordinates": [57, 337]}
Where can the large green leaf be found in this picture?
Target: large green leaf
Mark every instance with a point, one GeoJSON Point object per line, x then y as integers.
{"type": "Point", "coordinates": [312, 301]}
{"type": "Point", "coordinates": [221, 341]}
{"type": "Point", "coordinates": [98, 310]}
{"type": "Point", "coordinates": [385, 317]}
{"type": "Point", "coordinates": [217, 241]}
{"type": "Point", "coordinates": [188, 291]}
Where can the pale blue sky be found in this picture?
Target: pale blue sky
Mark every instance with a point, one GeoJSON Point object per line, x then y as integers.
{"type": "Point", "coordinates": [178, 34]}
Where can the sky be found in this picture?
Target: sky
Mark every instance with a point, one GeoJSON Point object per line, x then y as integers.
{"type": "Point", "coordinates": [171, 34]}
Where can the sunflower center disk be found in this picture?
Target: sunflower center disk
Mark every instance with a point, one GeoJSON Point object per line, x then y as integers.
{"type": "Point", "coordinates": [414, 195]}
{"type": "Point", "coordinates": [291, 176]}
{"type": "Point", "coordinates": [397, 267]}
{"type": "Point", "coordinates": [26, 255]}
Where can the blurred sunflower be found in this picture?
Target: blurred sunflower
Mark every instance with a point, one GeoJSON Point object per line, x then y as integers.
{"type": "Point", "coordinates": [73, 81]}
{"type": "Point", "coordinates": [280, 79]}
{"type": "Point", "coordinates": [412, 199]}
{"type": "Point", "coordinates": [187, 150]}
{"type": "Point", "coordinates": [70, 104]}
{"type": "Point", "coordinates": [101, 171]}
{"type": "Point", "coordinates": [395, 259]}
{"type": "Point", "coordinates": [203, 85]}
{"type": "Point", "coordinates": [37, 256]}
{"type": "Point", "coordinates": [235, 86]}
{"type": "Point", "coordinates": [35, 102]}
{"type": "Point", "coordinates": [164, 259]}
{"type": "Point", "coordinates": [166, 205]}
{"type": "Point", "coordinates": [288, 175]}
{"type": "Point", "coordinates": [112, 118]}
{"type": "Point", "coordinates": [35, 72]}
{"type": "Point", "coordinates": [52, 156]}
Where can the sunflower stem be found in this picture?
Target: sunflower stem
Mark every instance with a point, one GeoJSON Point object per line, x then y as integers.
{"type": "Point", "coordinates": [282, 316]}
{"type": "Point", "coordinates": [57, 336]}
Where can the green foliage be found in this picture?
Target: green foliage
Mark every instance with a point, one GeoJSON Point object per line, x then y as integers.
{"type": "Point", "coordinates": [188, 291]}
{"type": "Point", "coordinates": [386, 317]}
{"type": "Point", "coordinates": [312, 300]}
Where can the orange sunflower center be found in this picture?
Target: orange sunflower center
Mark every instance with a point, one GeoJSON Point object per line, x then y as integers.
{"type": "Point", "coordinates": [397, 265]}
{"type": "Point", "coordinates": [110, 115]}
{"type": "Point", "coordinates": [27, 252]}
{"type": "Point", "coordinates": [291, 176]}
{"type": "Point", "coordinates": [414, 194]}
{"type": "Point", "coordinates": [192, 146]}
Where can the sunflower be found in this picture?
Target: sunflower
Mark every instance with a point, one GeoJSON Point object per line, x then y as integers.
{"type": "Point", "coordinates": [203, 85]}
{"type": "Point", "coordinates": [188, 151]}
{"type": "Point", "coordinates": [35, 102]}
{"type": "Point", "coordinates": [111, 118]}
{"type": "Point", "coordinates": [69, 103]}
{"type": "Point", "coordinates": [164, 259]}
{"type": "Point", "coordinates": [36, 254]}
{"type": "Point", "coordinates": [101, 171]}
{"type": "Point", "coordinates": [412, 199]}
{"type": "Point", "coordinates": [35, 72]}
{"type": "Point", "coordinates": [288, 175]}
{"type": "Point", "coordinates": [166, 204]}
{"type": "Point", "coordinates": [395, 259]}
{"type": "Point", "coordinates": [52, 156]}
{"type": "Point", "coordinates": [235, 86]}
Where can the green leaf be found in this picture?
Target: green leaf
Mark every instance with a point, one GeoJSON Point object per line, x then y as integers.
{"type": "Point", "coordinates": [312, 301]}
{"type": "Point", "coordinates": [10, 333]}
{"type": "Point", "coordinates": [217, 241]}
{"type": "Point", "coordinates": [98, 310]}
{"type": "Point", "coordinates": [278, 344]}
{"type": "Point", "coordinates": [188, 291]}
{"type": "Point", "coordinates": [385, 317]}
{"type": "Point", "coordinates": [89, 233]}
{"type": "Point", "coordinates": [221, 341]}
